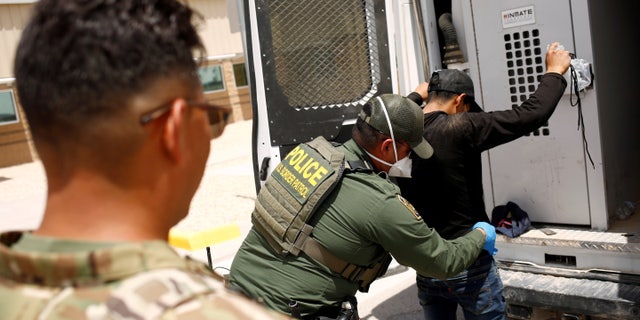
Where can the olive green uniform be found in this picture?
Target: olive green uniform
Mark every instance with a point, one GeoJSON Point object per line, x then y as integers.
{"type": "Point", "coordinates": [47, 278]}
{"type": "Point", "coordinates": [360, 221]}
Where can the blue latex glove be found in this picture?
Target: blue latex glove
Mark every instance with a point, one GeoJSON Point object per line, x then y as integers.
{"type": "Point", "coordinates": [490, 238]}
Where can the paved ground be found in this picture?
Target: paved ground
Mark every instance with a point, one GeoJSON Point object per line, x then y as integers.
{"type": "Point", "coordinates": [226, 196]}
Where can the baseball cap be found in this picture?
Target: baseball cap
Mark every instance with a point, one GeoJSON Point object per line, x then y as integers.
{"type": "Point", "coordinates": [405, 117]}
{"type": "Point", "coordinates": [455, 81]}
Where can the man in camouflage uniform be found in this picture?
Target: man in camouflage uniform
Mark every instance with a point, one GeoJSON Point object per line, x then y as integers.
{"type": "Point", "coordinates": [117, 114]}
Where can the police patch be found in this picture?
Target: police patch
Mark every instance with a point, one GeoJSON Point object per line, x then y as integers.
{"type": "Point", "coordinates": [410, 207]}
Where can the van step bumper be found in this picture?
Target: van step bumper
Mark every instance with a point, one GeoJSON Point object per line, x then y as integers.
{"type": "Point", "coordinates": [605, 298]}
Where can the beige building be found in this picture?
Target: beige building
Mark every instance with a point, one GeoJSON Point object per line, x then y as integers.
{"type": "Point", "coordinates": [224, 75]}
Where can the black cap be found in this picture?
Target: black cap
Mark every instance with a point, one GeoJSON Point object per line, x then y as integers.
{"type": "Point", "coordinates": [455, 81]}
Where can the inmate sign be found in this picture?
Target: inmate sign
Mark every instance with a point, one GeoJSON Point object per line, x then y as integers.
{"type": "Point", "coordinates": [302, 171]}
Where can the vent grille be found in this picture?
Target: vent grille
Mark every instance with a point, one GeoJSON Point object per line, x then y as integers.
{"type": "Point", "coordinates": [525, 66]}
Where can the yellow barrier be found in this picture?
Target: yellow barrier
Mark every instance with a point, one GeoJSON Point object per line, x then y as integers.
{"type": "Point", "coordinates": [190, 240]}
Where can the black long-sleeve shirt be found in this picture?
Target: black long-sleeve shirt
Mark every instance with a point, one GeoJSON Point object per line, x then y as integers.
{"type": "Point", "coordinates": [447, 188]}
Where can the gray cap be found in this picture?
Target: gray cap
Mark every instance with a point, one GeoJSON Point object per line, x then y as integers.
{"type": "Point", "coordinates": [405, 117]}
{"type": "Point", "coordinates": [454, 81]}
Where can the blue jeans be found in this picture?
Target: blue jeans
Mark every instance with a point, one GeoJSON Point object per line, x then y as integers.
{"type": "Point", "coordinates": [478, 290]}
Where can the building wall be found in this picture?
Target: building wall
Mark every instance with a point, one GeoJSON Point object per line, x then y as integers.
{"type": "Point", "coordinates": [222, 38]}
{"type": "Point", "coordinates": [220, 33]}
{"type": "Point", "coordinates": [13, 18]}
{"type": "Point", "coordinates": [238, 98]}
{"type": "Point", "coordinates": [15, 142]}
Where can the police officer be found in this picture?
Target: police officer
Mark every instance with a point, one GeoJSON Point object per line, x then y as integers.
{"type": "Point", "coordinates": [345, 244]}
{"type": "Point", "coordinates": [118, 117]}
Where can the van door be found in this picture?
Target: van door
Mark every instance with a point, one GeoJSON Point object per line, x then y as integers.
{"type": "Point", "coordinates": [312, 64]}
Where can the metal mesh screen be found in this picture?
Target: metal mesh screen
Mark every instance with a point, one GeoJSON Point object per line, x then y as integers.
{"type": "Point", "coordinates": [324, 51]}
{"type": "Point", "coordinates": [525, 67]}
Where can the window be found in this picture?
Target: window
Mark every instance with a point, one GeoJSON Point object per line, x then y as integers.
{"type": "Point", "coordinates": [211, 78]}
{"type": "Point", "coordinates": [240, 74]}
{"type": "Point", "coordinates": [8, 111]}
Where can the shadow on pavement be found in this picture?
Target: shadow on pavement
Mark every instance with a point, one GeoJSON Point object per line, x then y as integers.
{"type": "Point", "coordinates": [401, 306]}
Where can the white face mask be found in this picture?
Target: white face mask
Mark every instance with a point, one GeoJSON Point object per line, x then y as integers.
{"type": "Point", "coordinates": [402, 167]}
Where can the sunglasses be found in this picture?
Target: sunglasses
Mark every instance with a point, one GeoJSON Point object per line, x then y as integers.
{"type": "Point", "coordinates": [218, 115]}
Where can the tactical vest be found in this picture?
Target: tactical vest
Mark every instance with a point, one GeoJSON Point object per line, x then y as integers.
{"type": "Point", "coordinates": [292, 194]}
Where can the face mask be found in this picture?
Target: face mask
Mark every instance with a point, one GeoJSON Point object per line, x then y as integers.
{"type": "Point", "coordinates": [402, 167]}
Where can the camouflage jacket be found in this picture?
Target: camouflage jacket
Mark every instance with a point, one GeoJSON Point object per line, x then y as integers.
{"type": "Point", "coordinates": [142, 280]}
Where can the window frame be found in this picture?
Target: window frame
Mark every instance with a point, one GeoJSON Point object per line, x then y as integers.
{"type": "Point", "coordinates": [246, 75]}
{"type": "Point", "coordinates": [15, 108]}
{"type": "Point", "coordinates": [221, 69]}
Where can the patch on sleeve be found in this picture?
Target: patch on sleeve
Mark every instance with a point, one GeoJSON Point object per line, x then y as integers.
{"type": "Point", "coordinates": [409, 206]}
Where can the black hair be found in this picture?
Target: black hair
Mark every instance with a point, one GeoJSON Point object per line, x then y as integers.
{"type": "Point", "coordinates": [444, 96]}
{"type": "Point", "coordinates": [441, 96]}
{"type": "Point", "coordinates": [80, 61]}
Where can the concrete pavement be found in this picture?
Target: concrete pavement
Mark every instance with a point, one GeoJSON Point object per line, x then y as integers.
{"type": "Point", "coordinates": [226, 196]}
